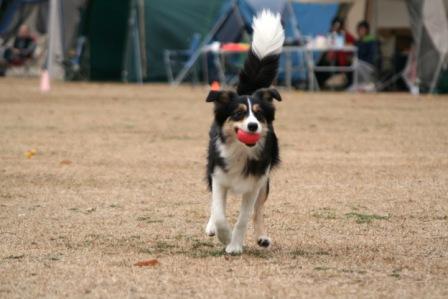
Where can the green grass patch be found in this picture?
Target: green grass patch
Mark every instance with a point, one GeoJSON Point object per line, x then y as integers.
{"type": "Point", "coordinates": [258, 253]}
{"type": "Point", "coordinates": [325, 213]}
{"type": "Point", "coordinates": [348, 271]}
{"type": "Point", "coordinates": [353, 271]}
{"type": "Point", "coordinates": [197, 244]}
{"type": "Point", "coordinates": [365, 218]}
{"type": "Point", "coordinates": [321, 268]}
{"type": "Point", "coordinates": [300, 252]}
{"type": "Point", "coordinates": [204, 252]}
{"type": "Point", "coordinates": [395, 273]}
{"type": "Point", "coordinates": [201, 249]}
{"type": "Point", "coordinates": [163, 246]}
{"type": "Point", "coordinates": [14, 257]}
{"type": "Point", "coordinates": [149, 219]}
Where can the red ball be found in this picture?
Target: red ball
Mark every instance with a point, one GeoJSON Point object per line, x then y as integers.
{"type": "Point", "coordinates": [247, 138]}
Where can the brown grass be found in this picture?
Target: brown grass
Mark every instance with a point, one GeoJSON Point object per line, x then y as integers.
{"type": "Point", "coordinates": [359, 207]}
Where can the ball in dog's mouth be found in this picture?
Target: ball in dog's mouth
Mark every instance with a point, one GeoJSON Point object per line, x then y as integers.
{"type": "Point", "coordinates": [248, 138]}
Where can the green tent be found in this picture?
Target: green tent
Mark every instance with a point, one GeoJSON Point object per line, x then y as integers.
{"type": "Point", "coordinates": [106, 34]}
{"type": "Point", "coordinates": [126, 39]}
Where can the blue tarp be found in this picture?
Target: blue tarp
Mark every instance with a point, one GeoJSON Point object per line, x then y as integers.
{"type": "Point", "coordinates": [239, 17]}
{"type": "Point", "coordinates": [314, 18]}
{"type": "Point", "coordinates": [311, 19]}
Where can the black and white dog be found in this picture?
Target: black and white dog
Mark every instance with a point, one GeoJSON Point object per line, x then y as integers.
{"type": "Point", "coordinates": [243, 147]}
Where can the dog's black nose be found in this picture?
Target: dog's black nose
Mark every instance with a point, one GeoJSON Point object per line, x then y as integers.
{"type": "Point", "coordinates": [252, 127]}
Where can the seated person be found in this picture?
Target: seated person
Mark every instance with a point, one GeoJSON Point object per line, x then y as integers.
{"type": "Point", "coordinates": [340, 58]}
{"type": "Point", "coordinates": [335, 58]}
{"type": "Point", "coordinates": [368, 46]}
{"type": "Point", "coordinates": [22, 49]}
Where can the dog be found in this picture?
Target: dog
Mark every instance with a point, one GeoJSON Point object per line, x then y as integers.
{"type": "Point", "coordinates": [243, 147]}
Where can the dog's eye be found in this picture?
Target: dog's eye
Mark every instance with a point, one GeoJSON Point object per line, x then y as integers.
{"type": "Point", "coordinates": [237, 115]}
{"type": "Point", "coordinates": [259, 115]}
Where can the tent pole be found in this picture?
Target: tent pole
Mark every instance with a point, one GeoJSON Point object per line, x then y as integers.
{"type": "Point", "coordinates": [183, 73]}
{"type": "Point", "coordinates": [133, 47]}
{"type": "Point", "coordinates": [137, 47]}
{"type": "Point", "coordinates": [141, 26]}
{"type": "Point", "coordinates": [375, 17]}
{"type": "Point", "coordinates": [293, 20]}
{"type": "Point", "coordinates": [437, 73]}
{"type": "Point", "coordinates": [55, 43]}
{"type": "Point", "coordinates": [419, 40]}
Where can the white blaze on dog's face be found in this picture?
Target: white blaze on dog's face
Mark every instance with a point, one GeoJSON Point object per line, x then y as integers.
{"type": "Point", "coordinates": [250, 123]}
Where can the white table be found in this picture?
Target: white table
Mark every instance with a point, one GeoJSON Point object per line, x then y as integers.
{"type": "Point", "coordinates": [307, 54]}
{"type": "Point", "coordinates": [307, 63]}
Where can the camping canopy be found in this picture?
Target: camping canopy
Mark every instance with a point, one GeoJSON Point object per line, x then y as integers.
{"type": "Point", "coordinates": [429, 24]}
{"type": "Point", "coordinates": [172, 24]}
{"type": "Point", "coordinates": [236, 18]}
{"type": "Point", "coordinates": [113, 29]}
{"type": "Point", "coordinates": [129, 37]}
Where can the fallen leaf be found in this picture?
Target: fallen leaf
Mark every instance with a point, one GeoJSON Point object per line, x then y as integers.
{"type": "Point", "coordinates": [30, 153]}
{"type": "Point", "coordinates": [90, 210]}
{"type": "Point", "coordinates": [65, 162]}
{"type": "Point", "coordinates": [145, 263]}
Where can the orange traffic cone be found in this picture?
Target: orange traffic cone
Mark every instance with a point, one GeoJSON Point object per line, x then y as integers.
{"type": "Point", "coordinates": [215, 86]}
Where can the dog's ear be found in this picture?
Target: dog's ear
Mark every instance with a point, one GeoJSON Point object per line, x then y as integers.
{"type": "Point", "coordinates": [221, 97]}
{"type": "Point", "coordinates": [268, 94]}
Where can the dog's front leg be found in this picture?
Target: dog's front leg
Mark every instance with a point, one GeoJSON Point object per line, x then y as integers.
{"type": "Point", "coordinates": [218, 212]}
{"type": "Point", "coordinates": [239, 231]}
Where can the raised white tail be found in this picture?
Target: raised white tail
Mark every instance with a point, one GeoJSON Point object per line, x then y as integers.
{"type": "Point", "coordinates": [268, 35]}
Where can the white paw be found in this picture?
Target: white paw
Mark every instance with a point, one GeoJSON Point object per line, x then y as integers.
{"type": "Point", "coordinates": [223, 234]}
{"type": "Point", "coordinates": [264, 241]}
{"type": "Point", "coordinates": [210, 230]}
{"type": "Point", "coordinates": [234, 249]}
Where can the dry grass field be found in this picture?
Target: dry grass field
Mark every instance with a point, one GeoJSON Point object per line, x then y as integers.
{"type": "Point", "coordinates": [359, 207]}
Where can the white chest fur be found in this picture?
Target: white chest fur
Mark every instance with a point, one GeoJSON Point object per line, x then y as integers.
{"type": "Point", "coordinates": [234, 178]}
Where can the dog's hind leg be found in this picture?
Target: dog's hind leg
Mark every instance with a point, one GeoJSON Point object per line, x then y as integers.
{"type": "Point", "coordinates": [260, 230]}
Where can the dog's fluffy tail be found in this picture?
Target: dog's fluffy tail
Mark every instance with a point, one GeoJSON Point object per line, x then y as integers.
{"type": "Point", "coordinates": [261, 65]}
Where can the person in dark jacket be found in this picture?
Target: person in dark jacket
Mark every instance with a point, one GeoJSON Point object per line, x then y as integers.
{"type": "Point", "coordinates": [22, 49]}
{"type": "Point", "coordinates": [368, 46]}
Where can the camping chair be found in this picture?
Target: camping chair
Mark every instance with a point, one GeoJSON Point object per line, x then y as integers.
{"type": "Point", "coordinates": [231, 65]}
{"type": "Point", "coordinates": [73, 69]}
{"type": "Point", "coordinates": [176, 59]}
{"type": "Point", "coordinates": [408, 74]}
{"type": "Point", "coordinates": [17, 65]}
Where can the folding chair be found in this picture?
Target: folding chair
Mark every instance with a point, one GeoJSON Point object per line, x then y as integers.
{"type": "Point", "coordinates": [176, 59]}
{"type": "Point", "coordinates": [408, 74]}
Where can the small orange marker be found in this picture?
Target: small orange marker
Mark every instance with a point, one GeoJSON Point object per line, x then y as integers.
{"type": "Point", "coordinates": [45, 81]}
{"type": "Point", "coordinates": [215, 86]}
